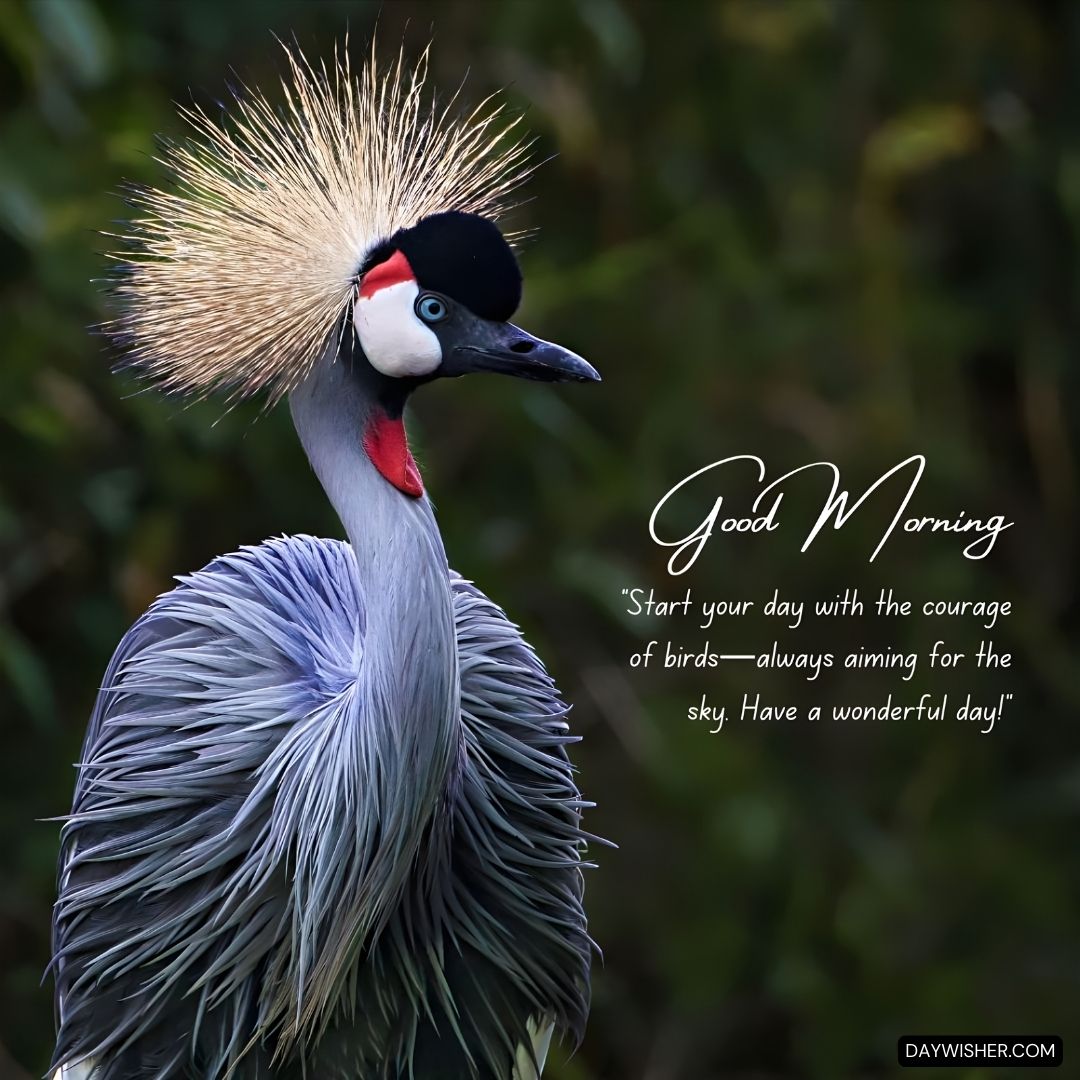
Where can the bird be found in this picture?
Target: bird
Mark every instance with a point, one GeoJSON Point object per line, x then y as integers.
{"type": "Point", "coordinates": [325, 824]}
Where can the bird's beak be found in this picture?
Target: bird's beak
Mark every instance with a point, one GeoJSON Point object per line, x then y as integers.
{"type": "Point", "coordinates": [509, 350]}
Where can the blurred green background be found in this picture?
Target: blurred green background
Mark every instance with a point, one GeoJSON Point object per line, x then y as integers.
{"type": "Point", "coordinates": [809, 229]}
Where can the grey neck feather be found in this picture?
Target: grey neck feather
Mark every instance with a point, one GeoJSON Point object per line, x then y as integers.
{"type": "Point", "coordinates": [402, 739]}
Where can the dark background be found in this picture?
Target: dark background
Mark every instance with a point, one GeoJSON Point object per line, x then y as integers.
{"type": "Point", "coordinates": [809, 230]}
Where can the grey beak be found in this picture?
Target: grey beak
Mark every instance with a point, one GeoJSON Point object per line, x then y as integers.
{"type": "Point", "coordinates": [509, 350]}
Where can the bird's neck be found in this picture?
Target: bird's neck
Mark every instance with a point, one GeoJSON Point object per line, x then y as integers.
{"type": "Point", "coordinates": [355, 441]}
{"type": "Point", "coordinates": [400, 744]}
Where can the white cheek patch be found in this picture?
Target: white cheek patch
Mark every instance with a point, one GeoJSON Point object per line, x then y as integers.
{"type": "Point", "coordinates": [391, 334]}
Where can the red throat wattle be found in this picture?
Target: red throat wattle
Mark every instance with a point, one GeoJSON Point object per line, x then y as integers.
{"type": "Point", "coordinates": [385, 444]}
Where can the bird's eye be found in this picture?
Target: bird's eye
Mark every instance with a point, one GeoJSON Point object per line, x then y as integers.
{"type": "Point", "coordinates": [431, 308]}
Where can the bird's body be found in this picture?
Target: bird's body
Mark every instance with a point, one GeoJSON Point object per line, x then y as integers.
{"type": "Point", "coordinates": [324, 823]}
{"type": "Point", "coordinates": [286, 678]}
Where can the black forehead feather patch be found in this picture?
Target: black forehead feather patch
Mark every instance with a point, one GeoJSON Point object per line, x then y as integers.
{"type": "Point", "coordinates": [465, 257]}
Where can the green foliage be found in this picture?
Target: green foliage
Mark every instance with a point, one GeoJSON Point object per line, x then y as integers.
{"type": "Point", "coordinates": [813, 229]}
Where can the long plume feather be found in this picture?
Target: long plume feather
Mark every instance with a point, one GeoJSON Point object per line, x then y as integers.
{"type": "Point", "coordinates": [237, 277]}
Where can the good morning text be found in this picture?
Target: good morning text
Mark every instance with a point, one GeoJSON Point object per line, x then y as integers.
{"type": "Point", "coordinates": [837, 508]}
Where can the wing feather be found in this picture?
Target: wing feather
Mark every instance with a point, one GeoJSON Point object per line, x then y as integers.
{"type": "Point", "coordinates": [174, 921]}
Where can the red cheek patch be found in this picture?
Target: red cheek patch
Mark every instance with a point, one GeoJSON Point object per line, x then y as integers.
{"type": "Point", "coordinates": [391, 271]}
{"type": "Point", "coordinates": [385, 444]}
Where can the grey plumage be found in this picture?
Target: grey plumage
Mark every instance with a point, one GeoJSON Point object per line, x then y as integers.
{"type": "Point", "coordinates": [324, 824]}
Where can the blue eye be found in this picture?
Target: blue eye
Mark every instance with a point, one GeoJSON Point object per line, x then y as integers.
{"type": "Point", "coordinates": [431, 308]}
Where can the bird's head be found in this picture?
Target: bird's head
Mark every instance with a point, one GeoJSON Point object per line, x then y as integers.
{"type": "Point", "coordinates": [436, 299]}
{"type": "Point", "coordinates": [342, 239]}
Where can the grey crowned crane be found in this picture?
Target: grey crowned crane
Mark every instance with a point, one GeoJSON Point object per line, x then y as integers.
{"type": "Point", "coordinates": [324, 822]}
